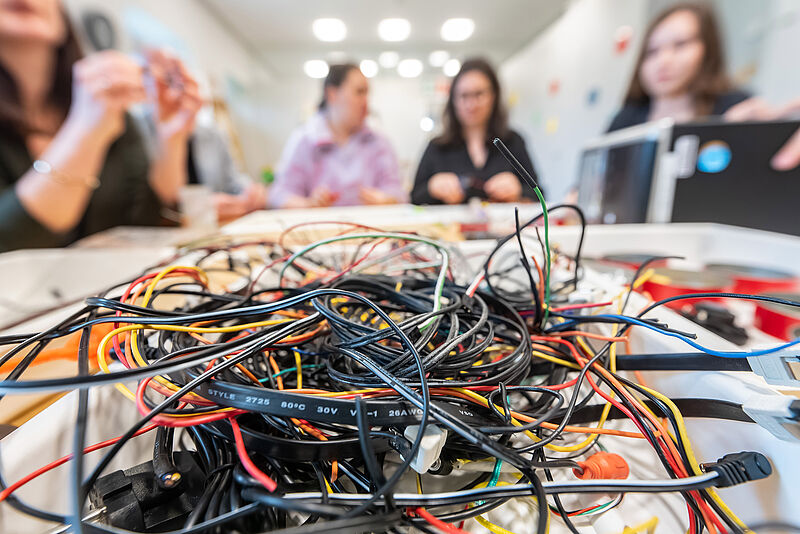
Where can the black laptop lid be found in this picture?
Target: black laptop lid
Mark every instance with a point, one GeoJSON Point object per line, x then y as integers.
{"type": "Point", "coordinates": [725, 176]}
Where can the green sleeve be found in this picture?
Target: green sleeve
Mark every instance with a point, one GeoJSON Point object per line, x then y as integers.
{"type": "Point", "coordinates": [18, 229]}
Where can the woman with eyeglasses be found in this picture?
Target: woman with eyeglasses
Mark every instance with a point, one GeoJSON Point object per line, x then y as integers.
{"type": "Point", "coordinates": [461, 163]}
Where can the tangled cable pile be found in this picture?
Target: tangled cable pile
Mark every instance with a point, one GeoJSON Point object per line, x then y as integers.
{"type": "Point", "coordinates": [308, 390]}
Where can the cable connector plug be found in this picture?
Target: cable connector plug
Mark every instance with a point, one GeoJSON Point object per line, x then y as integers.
{"type": "Point", "coordinates": [739, 467]}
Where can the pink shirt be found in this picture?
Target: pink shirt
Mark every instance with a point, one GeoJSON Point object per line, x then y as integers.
{"type": "Point", "coordinates": [312, 159]}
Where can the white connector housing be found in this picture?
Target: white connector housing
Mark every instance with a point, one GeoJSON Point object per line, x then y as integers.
{"type": "Point", "coordinates": [780, 368]}
{"type": "Point", "coordinates": [774, 413]}
{"type": "Point", "coordinates": [429, 449]}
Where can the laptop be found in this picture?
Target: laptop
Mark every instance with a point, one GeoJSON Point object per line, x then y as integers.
{"type": "Point", "coordinates": [710, 171]}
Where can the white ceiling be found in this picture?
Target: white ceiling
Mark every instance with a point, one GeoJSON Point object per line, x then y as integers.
{"type": "Point", "coordinates": [278, 32]}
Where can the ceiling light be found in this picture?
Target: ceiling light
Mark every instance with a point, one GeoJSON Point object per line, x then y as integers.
{"type": "Point", "coordinates": [369, 68]}
{"type": "Point", "coordinates": [394, 29]}
{"type": "Point", "coordinates": [329, 30]}
{"type": "Point", "coordinates": [426, 124]}
{"type": "Point", "coordinates": [457, 29]}
{"type": "Point", "coordinates": [451, 67]}
{"type": "Point", "coordinates": [315, 68]}
{"type": "Point", "coordinates": [389, 60]}
{"type": "Point", "coordinates": [438, 58]}
{"type": "Point", "coordinates": [410, 68]}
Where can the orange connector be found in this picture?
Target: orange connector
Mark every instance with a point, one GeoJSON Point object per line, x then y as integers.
{"type": "Point", "coordinates": [603, 465]}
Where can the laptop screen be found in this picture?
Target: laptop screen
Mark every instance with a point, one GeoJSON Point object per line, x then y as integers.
{"type": "Point", "coordinates": [614, 182]}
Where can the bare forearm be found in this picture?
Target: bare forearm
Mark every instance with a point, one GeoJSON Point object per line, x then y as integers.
{"type": "Point", "coordinates": [58, 200]}
{"type": "Point", "coordinates": [168, 172]}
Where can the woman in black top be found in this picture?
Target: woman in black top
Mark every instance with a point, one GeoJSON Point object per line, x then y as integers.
{"type": "Point", "coordinates": [70, 161]}
{"type": "Point", "coordinates": [680, 72]}
{"type": "Point", "coordinates": [462, 163]}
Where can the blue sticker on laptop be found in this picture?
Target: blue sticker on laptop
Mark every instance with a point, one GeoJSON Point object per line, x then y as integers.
{"type": "Point", "coordinates": [714, 156]}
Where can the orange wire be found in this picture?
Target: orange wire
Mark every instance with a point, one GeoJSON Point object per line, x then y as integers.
{"type": "Point", "coordinates": [664, 434]}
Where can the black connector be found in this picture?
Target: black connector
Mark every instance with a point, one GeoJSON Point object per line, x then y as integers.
{"type": "Point", "coordinates": [739, 467]}
{"type": "Point", "coordinates": [135, 499]}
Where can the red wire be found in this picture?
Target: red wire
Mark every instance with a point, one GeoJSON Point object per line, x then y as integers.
{"type": "Point", "coordinates": [164, 420]}
{"type": "Point", "coordinates": [674, 463]}
{"type": "Point", "coordinates": [61, 461]}
{"type": "Point", "coordinates": [115, 340]}
{"type": "Point", "coordinates": [248, 464]}
{"type": "Point", "coordinates": [582, 306]}
{"type": "Point", "coordinates": [436, 522]}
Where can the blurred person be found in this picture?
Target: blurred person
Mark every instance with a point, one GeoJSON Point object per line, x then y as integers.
{"type": "Point", "coordinates": [680, 72]}
{"type": "Point", "coordinates": [211, 164]}
{"type": "Point", "coordinates": [335, 159]}
{"type": "Point", "coordinates": [462, 163]}
{"type": "Point", "coordinates": [71, 161]}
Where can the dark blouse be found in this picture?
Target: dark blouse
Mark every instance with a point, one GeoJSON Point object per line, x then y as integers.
{"type": "Point", "coordinates": [445, 158]}
{"type": "Point", "coordinates": [123, 198]}
{"type": "Point", "coordinates": [633, 114]}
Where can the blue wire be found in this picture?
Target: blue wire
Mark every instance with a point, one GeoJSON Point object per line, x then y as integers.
{"type": "Point", "coordinates": [712, 352]}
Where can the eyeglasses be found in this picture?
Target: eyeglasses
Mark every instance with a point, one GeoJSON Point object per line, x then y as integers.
{"type": "Point", "coordinates": [481, 96]}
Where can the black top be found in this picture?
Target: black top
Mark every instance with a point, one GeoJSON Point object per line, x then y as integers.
{"type": "Point", "coordinates": [633, 114]}
{"type": "Point", "coordinates": [455, 159]}
{"type": "Point", "coordinates": [123, 198]}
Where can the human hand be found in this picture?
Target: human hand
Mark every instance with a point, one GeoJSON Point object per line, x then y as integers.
{"type": "Point", "coordinates": [176, 93]}
{"type": "Point", "coordinates": [322, 197]}
{"type": "Point", "coordinates": [256, 196]}
{"type": "Point", "coordinates": [752, 109]}
{"type": "Point", "coordinates": [788, 157]}
{"type": "Point", "coordinates": [230, 207]}
{"type": "Point", "coordinates": [503, 187]}
{"type": "Point", "coordinates": [104, 86]}
{"type": "Point", "coordinates": [446, 187]}
{"type": "Point", "coordinates": [375, 197]}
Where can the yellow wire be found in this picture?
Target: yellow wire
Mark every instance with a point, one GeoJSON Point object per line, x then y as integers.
{"type": "Point", "coordinates": [681, 424]}
{"type": "Point", "coordinates": [648, 526]}
{"type": "Point", "coordinates": [553, 359]}
{"type": "Point", "coordinates": [101, 349]}
{"type": "Point", "coordinates": [534, 437]}
{"type": "Point", "coordinates": [612, 363]}
{"type": "Point", "coordinates": [491, 526]}
{"type": "Point", "coordinates": [681, 427]}
{"type": "Point", "coordinates": [298, 363]}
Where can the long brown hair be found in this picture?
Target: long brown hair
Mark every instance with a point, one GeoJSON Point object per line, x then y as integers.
{"type": "Point", "coordinates": [60, 95]}
{"type": "Point", "coordinates": [498, 120]}
{"type": "Point", "coordinates": [711, 80]}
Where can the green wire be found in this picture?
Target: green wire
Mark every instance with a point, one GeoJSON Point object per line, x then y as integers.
{"type": "Point", "coordinates": [292, 370]}
{"type": "Point", "coordinates": [547, 253]}
{"type": "Point", "coordinates": [597, 509]}
{"type": "Point", "coordinates": [495, 477]}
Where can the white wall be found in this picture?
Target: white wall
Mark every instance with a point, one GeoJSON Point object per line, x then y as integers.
{"type": "Point", "coordinates": [204, 43]}
{"type": "Point", "coordinates": [577, 51]}
{"type": "Point", "coordinates": [778, 76]}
